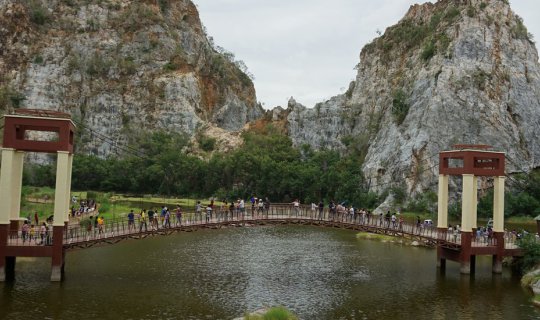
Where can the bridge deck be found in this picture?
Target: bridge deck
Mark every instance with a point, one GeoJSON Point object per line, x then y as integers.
{"type": "Point", "coordinates": [114, 231]}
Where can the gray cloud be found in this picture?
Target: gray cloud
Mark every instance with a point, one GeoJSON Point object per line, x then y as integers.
{"type": "Point", "coordinates": [308, 48]}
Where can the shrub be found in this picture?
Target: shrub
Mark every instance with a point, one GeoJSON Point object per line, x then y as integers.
{"type": "Point", "coordinates": [400, 107]}
{"type": "Point", "coordinates": [10, 98]}
{"type": "Point", "coordinates": [471, 11]}
{"type": "Point", "coordinates": [519, 30]}
{"type": "Point", "coordinates": [429, 50]}
{"type": "Point", "coordinates": [38, 59]}
{"type": "Point", "coordinates": [531, 253]}
{"type": "Point", "coordinates": [127, 66]}
{"type": "Point", "coordinates": [38, 14]}
{"type": "Point", "coordinates": [206, 143]}
{"type": "Point", "coordinates": [97, 65]}
{"type": "Point", "coordinates": [483, 5]}
{"type": "Point", "coordinates": [452, 14]}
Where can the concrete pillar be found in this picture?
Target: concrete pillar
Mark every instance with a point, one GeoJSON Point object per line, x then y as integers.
{"type": "Point", "coordinates": [497, 264]}
{"type": "Point", "coordinates": [474, 215]}
{"type": "Point", "coordinates": [4, 232]}
{"type": "Point", "coordinates": [465, 253]}
{"type": "Point", "coordinates": [498, 204]}
{"type": "Point", "coordinates": [442, 203]}
{"type": "Point", "coordinates": [467, 205]}
{"type": "Point", "coordinates": [61, 204]}
{"type": "Point", "coordinates": [441, 260]}
{"type": "Point", "coordinates": [58, 254]}
{"type": "Point", "coordinates": [6, 185]}
{"type": "Point", "coordinates": [61, 207]}
{"type": "Point", "coordinates": [68, 190]}
{"type": "Point", "coordinates": [10, 268]}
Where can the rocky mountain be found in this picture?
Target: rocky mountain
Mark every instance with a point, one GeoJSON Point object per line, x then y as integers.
{"type": "Point", "coordinates": [121, 68]}
{"type": "Point", "coordinates": [452, 72]}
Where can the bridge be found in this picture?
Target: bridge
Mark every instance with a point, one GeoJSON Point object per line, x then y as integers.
{"type": "Point", "coordinates": [469, 162]}
{"type": "Point", "coordinates": [76, 237]}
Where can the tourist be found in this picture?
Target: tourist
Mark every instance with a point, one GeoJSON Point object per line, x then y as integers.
{"type": "Point", "coordinates": [208, 213]}
{"type": "Point", "coordinates": [43, 233]}
{"type": "Point", "coordinates": [331, 208]}
{"type": "Point", "coordinates": [260, 206]}
{"type": "Point", "coordinates": [198, 209]}
{"type": "Point", "coordinates": [393, 218]}
{"type": "Point", "coordinates": [24, 230]}
{"type": "Point", "coordinates": [167, 223]}
{"type": "Point", "coordinates": [178, 213]}
{"type": "Point", "coordinates": [321, 210]}
{"type": "Point", "coordinates": [296, 206]}
{"type": "Point", "coordinates": [36, 218]}
{"type": "Point", "coordinates": [151, 219]}
{"type": "Point", "coordinates": [231, 209]}
{"type": "Point", "coordinates": [266, 205]}
{"type": "Point", "coordinates": [313, 209]}
{"type": "Point", "coordinates": [162, 215]}
{"type": "Point", "coordinates": [48, 233]}
{"type": "Point", "coordinates": [101, 223]}
{"type": "Point", "coordinates": [242, 207]}
{"type": "Point", "coordinates": [32, 233]}
{"type": "Point", "coordinates": [253, 202]}
{"type": "Point", "coordinates": [131, 220]}
{"type": "Point", "coordinates": [142, 221]}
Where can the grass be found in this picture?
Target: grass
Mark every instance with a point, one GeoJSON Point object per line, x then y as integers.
{"type": "Point", "coordinates": [112, 206]}
{"type": "Point", "coordinates": [274, 313]}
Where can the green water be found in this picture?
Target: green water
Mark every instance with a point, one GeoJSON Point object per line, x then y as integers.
{"type": "Point", "coordinates": [219, 274]}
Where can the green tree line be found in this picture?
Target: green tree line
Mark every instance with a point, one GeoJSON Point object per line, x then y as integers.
{"type": "Point", "coordinates": [266, 165]}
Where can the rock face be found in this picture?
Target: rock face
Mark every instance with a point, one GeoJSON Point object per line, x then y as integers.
{"type": "Point", "coordinates": [120, 67]}
{"type": "Point", "coordinates": [453, 72]}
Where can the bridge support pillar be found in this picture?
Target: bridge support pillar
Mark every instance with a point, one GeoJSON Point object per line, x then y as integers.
{"type": "Point", "coordinates": [4, 231]}
{"type": "Point", "coordinates": [441, 259]}
{"type": "Point", "coordinates": [9, 266]}
{"type": "Point", "coordinates": [465, 254]}
{"type": "Point", "coordinates": [472, 264]}
{"type": "Point", "coordinates": [497, 264]}
{"type": "Point", "coordinates": [497, 258]}
{"type": "Point", "coordinates": [58, 254]}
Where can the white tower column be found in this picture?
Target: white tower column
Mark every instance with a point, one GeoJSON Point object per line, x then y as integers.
{"type": "Point", "coordinates": [474, 215]}
{"type": "Point", "coordinates": [7, 185]}
{"type": "Point", "coordinates": [61, 203]}
{"type": "Point", "coordinates": [467, 205]}
{"type": "Point", "coordinates": [68, 190]}
{"type": "Point", "coordinates": [498, 204]}
{"type": "Point", "coordinates": [442, 203]}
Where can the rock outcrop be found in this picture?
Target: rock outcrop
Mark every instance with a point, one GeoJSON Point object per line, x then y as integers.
{"type": "Point", "coordinates": [453, 72]}
{"type": "Point", "coordinates": [121, 68]}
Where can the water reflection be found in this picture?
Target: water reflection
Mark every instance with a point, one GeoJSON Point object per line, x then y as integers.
{"type": "Point", "coordinates": [219, 274]}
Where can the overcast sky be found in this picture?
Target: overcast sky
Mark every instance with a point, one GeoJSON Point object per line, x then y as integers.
{"type": "Point", "coordinates": [308, 48]}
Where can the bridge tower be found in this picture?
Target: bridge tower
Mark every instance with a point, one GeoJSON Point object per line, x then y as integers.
{"type": "Point", "coordinates": [16, 142]}
{"type": "Point", "coordinates": [470, 162]}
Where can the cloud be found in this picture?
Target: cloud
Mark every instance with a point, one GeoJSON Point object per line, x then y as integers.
{"type": "Point", "coordinates": [308, 49]}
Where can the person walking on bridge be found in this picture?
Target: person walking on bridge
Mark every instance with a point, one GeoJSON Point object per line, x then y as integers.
{"type": "Point", "coordinates": [167, 222]}
{"type": "Point", "coordinates": [178, 213]}
{"type": "Point", "coordinates": [296, 207]}
{"type": "Point", "coordinates": [321, 210]}
{"type": "Point", "coordinates": [131, 220]}
{"type": "Point", "coordinates": [142, 221]}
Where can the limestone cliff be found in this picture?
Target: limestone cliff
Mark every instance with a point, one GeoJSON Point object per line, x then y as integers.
{"type": "Point", "coordinates": [448, 73]}
{"type": "Point", "coordinates": [120, 67]}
